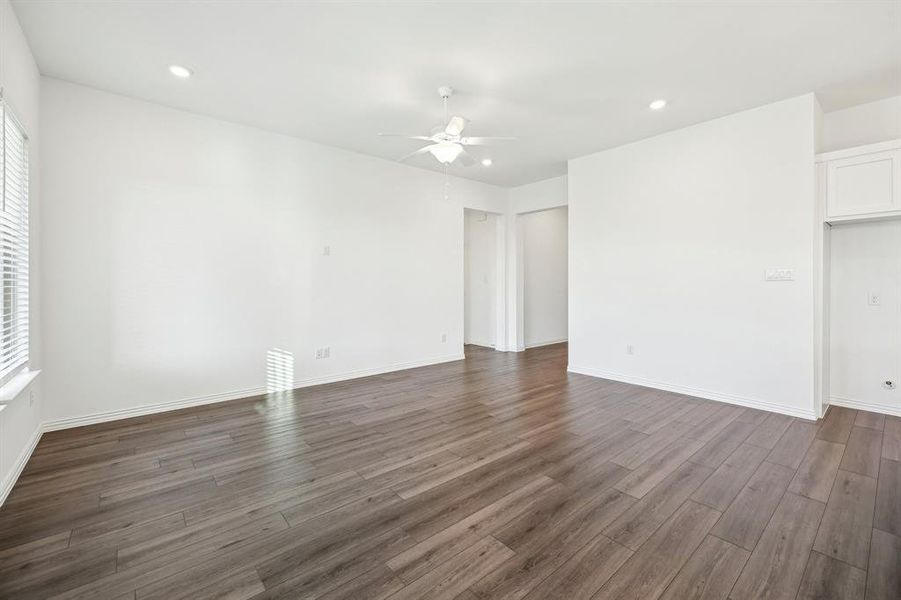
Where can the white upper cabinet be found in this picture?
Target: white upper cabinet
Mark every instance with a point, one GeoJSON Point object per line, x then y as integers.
{"type": "Point", "coordinates": [863, 182]}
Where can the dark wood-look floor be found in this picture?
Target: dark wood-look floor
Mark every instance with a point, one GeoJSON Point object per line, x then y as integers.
{"type": "Point", "coordinates": [496, 477]}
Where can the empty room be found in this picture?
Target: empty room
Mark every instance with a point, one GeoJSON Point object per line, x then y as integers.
{"type": "Point", "coordinates": [450, 300]}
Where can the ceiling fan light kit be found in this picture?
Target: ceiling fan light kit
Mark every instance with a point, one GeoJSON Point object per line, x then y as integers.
{"type": "Point", "coordinates": [445, 152]}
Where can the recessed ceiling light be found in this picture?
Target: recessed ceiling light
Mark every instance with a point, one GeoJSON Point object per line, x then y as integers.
{"type": "Point", "coordinates": [657, 104]}
{"type": "Point", "coordinates": [486, 162]}
{"type": "Point", "coordinates": [180, 71]}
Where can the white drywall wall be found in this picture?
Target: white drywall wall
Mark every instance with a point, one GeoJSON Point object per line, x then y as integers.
{"type": "Point", "coordinates": [179, 249]}
{"type": "Point", "coordinates": [862, 124]}
{"type": "Point", "coordinates": [541, 195]}
{"type": "Point", "coordinates": [669, 241]}
{"type": "Point", "coordinates": [865, 339]}
{"type": "Point", "coordinates": [480, 285]}
{"type": "Point", "coordinates": [21, 419]}
{"type": "Point", "coordinates": [545, 267]}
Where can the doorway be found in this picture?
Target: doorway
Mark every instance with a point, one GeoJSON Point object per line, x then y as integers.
{"type": "Point", "coordinates": [480, 278]}
{"type": "Point", "coordinates": [545, 276]}
{"type": "Point", "coordinates": [864, 317]}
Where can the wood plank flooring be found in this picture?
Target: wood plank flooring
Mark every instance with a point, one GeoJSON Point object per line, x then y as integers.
{"type": "Point", "coordinates": [500, 476]}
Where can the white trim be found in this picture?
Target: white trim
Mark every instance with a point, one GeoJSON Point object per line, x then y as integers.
{"type": "Point", "coordinates": [865, 218]}
{"type": "Point", "coordinates": [822, 258]}
{"type": "Point", "coordinates": [858, 150]}
{"type": "Point", "coordinates": [15, 386]}
{"type": "Point", "coordinates": [148, 409]}
{"type": "Point", "coordinates": [700, 393]}
{"type": "Point", "coordinates": [868, 406]}
{"type": "Point", "coordinates": [500, 282]}
{"type": "Point", "coordinates": [403, 366]}
{"type": "Point", "coordinates": [480, 343]}
{"type": "Point", "coordinates": [547, 343]}
{"type": "Point", "coordinates": [7, 485]}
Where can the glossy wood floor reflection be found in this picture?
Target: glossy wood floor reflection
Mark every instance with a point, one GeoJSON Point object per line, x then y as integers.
{"type": "Point", "coordinates": [495, 477]}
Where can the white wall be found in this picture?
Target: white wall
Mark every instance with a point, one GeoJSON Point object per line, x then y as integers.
{"type": "Point", "coordinates": [178, 249]}
{"type": "Point", "coordinates": [480, 279]}
{"type": "Point", "coordinates": [866, 339]}
{"type": "Point", "coordinates": [541, 195]}
{"type": "Point", "coordinates": [20, 420]}
{"type": "Point", "coordinates": [669, 241]}
{"type": "Point", "coordinates": [863, 124]}
{"type": "Point", "coordinates": [545, 276]}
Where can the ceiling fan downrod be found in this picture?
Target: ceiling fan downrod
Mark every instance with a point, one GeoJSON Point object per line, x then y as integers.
{"type": "Point", "coordinates": [445, 91]}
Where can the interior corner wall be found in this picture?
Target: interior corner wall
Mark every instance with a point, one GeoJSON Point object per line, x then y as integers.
{"type": "Point", "coordinates": [179, 249]}
{"type": "Point", "coordinates": [545, 276]}
{"type": "Point", "coordinates": [20, 420]}
{"type": "Point", "coordinates": [670, 238]}
{"type": "Point", "coordinates": [480, 286]}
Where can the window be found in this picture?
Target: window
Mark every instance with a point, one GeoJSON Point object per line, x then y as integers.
{"type": "Point", "coordinates": [13, 246]}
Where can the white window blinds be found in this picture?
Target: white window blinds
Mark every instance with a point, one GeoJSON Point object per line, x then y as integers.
{"type": "Point", "coordinates": [13, 245]}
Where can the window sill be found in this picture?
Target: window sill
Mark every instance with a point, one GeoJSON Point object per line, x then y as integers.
{"type": "Point", "coordinates": [15, 386]}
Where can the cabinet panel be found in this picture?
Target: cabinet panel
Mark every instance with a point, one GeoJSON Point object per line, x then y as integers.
{"type": "Point", "coordinates": [864, 185]}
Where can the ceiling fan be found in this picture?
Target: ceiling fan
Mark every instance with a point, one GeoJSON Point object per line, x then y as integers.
{"type": "Point", "coordinates": [447, 141]}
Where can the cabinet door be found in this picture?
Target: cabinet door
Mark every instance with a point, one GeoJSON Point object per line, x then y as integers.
{"type": "Point", "coordinates": [864, 185]}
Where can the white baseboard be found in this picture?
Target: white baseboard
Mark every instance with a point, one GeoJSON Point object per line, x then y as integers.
{"type": "Point", "coordinates": [6, 486]}
{"type": "Point", "coordinates": [869, 406]}
{"type": "Point", "coordinates": [481, 344]}
{"type": "Point", "coordinates": [413, 364]}
{"type": "Point", "coordinates": [149, 409]}
{"type": "Point", "coordinates": [547, 343]}
{"type": "Point", "coordinates": [700, 393]}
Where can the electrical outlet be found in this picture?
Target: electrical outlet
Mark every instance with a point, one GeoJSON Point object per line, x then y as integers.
{"type": "Point", "coordinates": [326, 251]}
{"type": "Point", "coordinates": [30, 397]}
{"type": "Point", "coordinates": [318, 353]}
{"type": "Point", "coordinates": [630, 349]}
{"type": "Point", "coordinates": [323, 353]}
{"type": "Point", "coordinates": [443, 338]}
{"type": "Point", "coordinates": [873, 299]}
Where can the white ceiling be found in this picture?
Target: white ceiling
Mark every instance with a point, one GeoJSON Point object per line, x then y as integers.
{"type": "Point", "coordinates": [567, 78]}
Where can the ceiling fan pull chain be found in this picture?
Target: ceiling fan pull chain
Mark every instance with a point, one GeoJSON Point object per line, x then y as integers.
{"type": "Point", "coordinates": [446, 184]}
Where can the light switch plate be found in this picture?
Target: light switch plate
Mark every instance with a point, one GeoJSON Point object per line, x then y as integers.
{"type": "Point", "coordinates": [780, 274]}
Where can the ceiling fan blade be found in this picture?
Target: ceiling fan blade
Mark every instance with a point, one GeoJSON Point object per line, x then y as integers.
{"type": "Point", "coordinates": [455, 126]}
{"type": "Point", "coordinates": [485, 141]}
{"type": "Point", "coordinates": [404, 135]}
{"type": "Point", "coordinates": [466, 159]}
{"type": "Point", "coordinates": [422, 150]}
